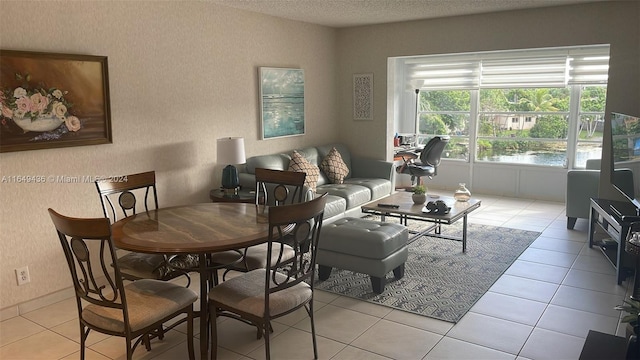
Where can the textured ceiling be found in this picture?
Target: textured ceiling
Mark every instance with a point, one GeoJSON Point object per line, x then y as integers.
{"type": "Point", "coordinates": [345, 13]}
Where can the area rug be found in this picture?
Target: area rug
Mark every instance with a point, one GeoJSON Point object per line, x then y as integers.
{"type": "Point", "coordinates": [440, 281]}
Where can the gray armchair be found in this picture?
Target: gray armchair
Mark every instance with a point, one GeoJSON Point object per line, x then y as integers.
{"type": "Point", "coordinates": [582, 185]}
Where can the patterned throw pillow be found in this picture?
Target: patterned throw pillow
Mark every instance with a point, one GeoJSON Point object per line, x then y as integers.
{"type": "Point", "coordinates": [300, 164]}
{"type": "Point", "coordinates": [334, 167]}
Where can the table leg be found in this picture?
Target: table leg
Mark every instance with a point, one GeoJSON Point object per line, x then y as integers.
{"type": "Point", "coordinates": [592, 222]}
{"type": "Point", "coordinates": [464, 233]}
{"type": "Point", "coordinates": [204, 308]}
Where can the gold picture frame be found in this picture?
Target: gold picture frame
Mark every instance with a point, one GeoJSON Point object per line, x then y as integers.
{"type": "Point", "coordinates": [50, 100]}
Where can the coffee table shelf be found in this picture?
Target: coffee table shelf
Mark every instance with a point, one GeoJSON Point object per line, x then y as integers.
{"type": "Point", "coordinates": [407, 210]}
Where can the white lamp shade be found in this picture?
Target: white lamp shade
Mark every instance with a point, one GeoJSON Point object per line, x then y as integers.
{"type": "Point", "coordinates": [231, 151]}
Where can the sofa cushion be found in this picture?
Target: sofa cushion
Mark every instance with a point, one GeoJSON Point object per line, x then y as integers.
{"type": "Point", "coordinates": [300, 164]}
{"type": "Point", "coordinates": [344, 153]}
{"type": "Point", "coordinates": [378, 187]}
{"type": "Point", "coordinates": [355, 195]}
{"type": "Point", "coordinates": [312, 155]}
{"type": "Point", "coordinates": [334, 167]}
{"type": "Point", "coordinates": [334, 206]}
{"type": "Point", "coordinates": [273, 162]}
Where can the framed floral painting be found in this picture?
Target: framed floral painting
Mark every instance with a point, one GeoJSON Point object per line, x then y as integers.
{"type": "Point", "coordinates": [50, 100]}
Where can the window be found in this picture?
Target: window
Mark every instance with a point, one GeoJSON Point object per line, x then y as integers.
{"type": "Point", "coordinates": [538, 106]}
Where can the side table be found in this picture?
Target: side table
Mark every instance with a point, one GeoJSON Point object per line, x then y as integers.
{"type": "Point", "coordinates": [243, 196]}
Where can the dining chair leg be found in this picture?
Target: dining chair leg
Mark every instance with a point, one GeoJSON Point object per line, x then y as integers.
{"type": "Point", "coordinates": [83, 340]}
{"type": "Point", "coordinates": [267, 335]}
{"type": "Point", "coordinates": [129, 349]}
{"type": "Point", "coordinates": [190, 348]}
{"type": "Point", "coordinates": [213, 332]}
{"type": "Point", "coordinates": [313, 330]}
{"type": "Point", "coordinates": [146, 342]}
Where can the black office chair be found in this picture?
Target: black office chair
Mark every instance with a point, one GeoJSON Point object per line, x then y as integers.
{"type": "Point", "coordinates": [430, 157]}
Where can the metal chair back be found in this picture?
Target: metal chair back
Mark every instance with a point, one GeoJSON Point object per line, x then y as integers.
{"type": "Point", "coordinates": [279, 187]}
{"type": "Point", "coordinates": [119, 195]}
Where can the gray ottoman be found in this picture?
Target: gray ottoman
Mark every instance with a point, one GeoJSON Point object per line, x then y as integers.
{"type": "Point", "coordinates": [369, 247]}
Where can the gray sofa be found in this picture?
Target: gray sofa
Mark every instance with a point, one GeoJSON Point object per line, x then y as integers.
{"type": "Point", "coordinates": [367, 180]}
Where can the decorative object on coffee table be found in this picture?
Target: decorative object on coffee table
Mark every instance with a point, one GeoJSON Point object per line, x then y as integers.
{"type": "Point", "coordinates": [462, 193]}
{"type": "Point", "coordinates": [419, 194]}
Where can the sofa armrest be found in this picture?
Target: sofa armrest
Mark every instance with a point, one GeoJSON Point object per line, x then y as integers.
{"type": "Point", "coordinates": [582, 185]}
{"type": "Point", "coordinates": [247, 181]}
{"type": "Point", "coordinates": [371, 168]}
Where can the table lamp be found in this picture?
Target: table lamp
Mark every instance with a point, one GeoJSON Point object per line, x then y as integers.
{"type": "Point", "coordinates": [231, 152]}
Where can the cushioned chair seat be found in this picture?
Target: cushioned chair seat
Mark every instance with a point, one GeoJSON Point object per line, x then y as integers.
{"type": "Point", "coordinates": [148, 302]}
{"type": "Point", "coordinates": [247, 292]}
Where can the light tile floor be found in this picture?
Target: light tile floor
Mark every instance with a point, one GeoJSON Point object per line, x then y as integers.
{"type": "Point", "coordinates": [541, 308]}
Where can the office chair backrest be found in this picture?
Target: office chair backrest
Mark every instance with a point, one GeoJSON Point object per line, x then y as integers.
{"type": "Point", "coordinates": [432, 152]}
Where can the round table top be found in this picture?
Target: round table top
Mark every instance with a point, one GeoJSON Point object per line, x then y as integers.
{"type": "Point", "coordinates": [199, 228]}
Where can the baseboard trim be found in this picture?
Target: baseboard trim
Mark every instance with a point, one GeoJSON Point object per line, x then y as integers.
{"type": "Point", "coordinates": [35, 304]}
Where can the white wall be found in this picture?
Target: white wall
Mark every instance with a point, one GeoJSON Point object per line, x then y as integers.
{"type": "Point", "coordinates": [182, 74]}
{"type": "Point", "coordinates": [367, 48]}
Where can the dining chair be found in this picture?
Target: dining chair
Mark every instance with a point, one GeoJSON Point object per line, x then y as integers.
{"type": "Point", "coordinates": [283, 286]}
{"type": "Point", "coordinates": [273, 188]}
{"type": "Point", "coordinates": [123, 196]}
{"type": "Point", "coordinates": [135, 311]}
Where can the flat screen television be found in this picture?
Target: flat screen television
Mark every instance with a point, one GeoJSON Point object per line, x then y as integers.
{"type": "Point", "coordinates": [625, 148]}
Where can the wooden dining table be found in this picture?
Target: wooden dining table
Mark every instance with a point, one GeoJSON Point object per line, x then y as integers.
{"type": "Point", "coordinates": [194, 229]}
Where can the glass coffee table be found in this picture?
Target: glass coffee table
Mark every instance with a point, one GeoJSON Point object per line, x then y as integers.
{"type": "Point", "coordinates": [404, 209]}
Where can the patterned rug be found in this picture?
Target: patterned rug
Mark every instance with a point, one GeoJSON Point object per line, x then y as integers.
{"type": "Point", "coordinates": [441, 281]}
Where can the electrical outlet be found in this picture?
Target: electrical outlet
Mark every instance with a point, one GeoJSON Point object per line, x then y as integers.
{"type": "Point", "coordinates": [22, 274]}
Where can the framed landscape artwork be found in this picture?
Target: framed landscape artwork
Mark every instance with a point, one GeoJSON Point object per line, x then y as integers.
{"type": "Point", "coordinates": [281, 102]}
{"type": "Point", "coordinates": [50, 100]}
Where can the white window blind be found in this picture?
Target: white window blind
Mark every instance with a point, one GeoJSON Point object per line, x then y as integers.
{"type": "Point", "coordinates": [524, 72]}
{"type": "Point", "coordinates": [445, 75]}
{"type": "Point", "coordinates": [550, 67]}
{"type": "Point", "coordinates": [589, 66]}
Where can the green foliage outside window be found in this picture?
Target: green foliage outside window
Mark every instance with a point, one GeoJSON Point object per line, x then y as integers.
{"type": "Point", "coordinates": [508, 117]}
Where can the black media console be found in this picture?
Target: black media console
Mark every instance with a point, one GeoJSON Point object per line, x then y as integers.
{"type": "Point", "coordinates": [615, 218]}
